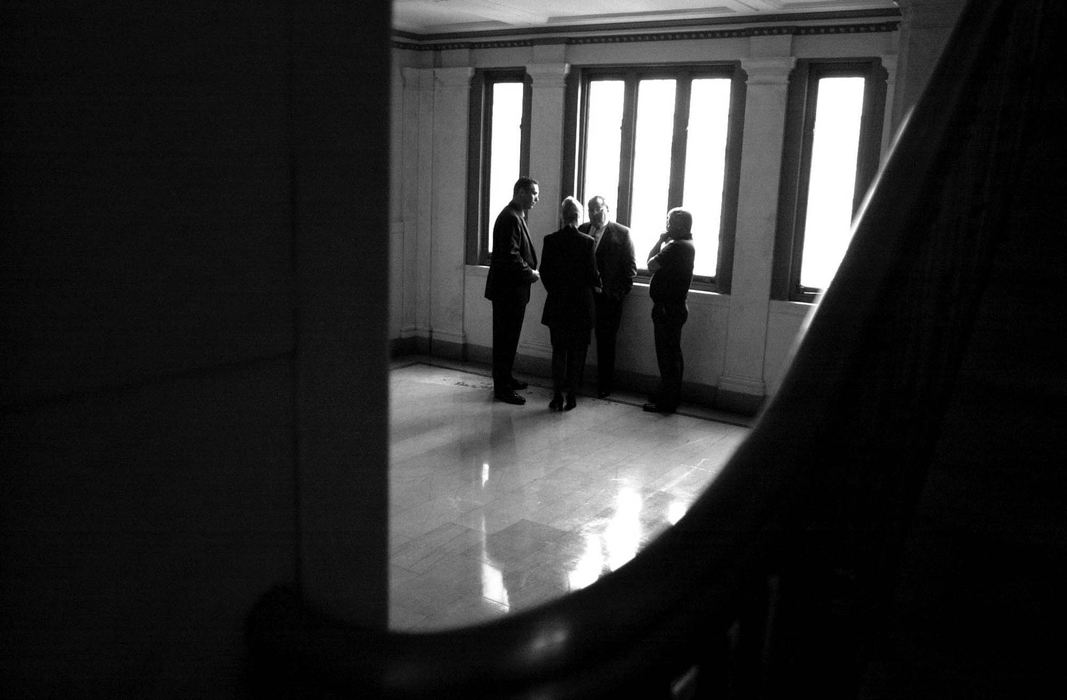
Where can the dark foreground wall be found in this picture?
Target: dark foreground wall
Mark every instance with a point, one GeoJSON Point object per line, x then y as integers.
{"type": "Point", "coordinates": [193, 209]}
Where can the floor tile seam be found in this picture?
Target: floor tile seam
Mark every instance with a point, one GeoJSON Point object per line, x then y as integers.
{"type": "Point", "coordinates": [439, 500]}
{"type": "Point", "coordinates": [442, 537]}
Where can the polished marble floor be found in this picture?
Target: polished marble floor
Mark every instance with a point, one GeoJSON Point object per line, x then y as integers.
{"type": "Point", "coordinates": [497, 508]}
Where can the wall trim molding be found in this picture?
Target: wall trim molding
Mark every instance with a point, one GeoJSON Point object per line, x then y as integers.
{"type": "Point", "coordinates": [738, 399]}
{"type": "Point", "coordinates": [681, 30]}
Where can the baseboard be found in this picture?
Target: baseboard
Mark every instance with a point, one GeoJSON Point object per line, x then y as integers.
{"type": "Point", "coordinates": [402, 347]}
{"type": "Point", "coordinates": [736, 402]}
{"type": "Point", "coordinates": [707, 395]}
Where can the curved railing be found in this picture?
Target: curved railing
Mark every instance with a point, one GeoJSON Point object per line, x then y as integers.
{"type": "Point", "coordinates": [780, 570]}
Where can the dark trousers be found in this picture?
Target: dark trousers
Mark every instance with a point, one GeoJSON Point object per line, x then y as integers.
{"type": "Point", "coordinates": [667, 322]}
{"type": "Point", "coordinates": [507, 325]}
{"type": "Point", "coordinates": [608, 318]}
{"type": "Point", "coordinates": [568, 360]}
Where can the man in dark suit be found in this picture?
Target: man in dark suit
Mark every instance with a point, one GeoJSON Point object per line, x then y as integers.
{"type": "Point", "coordinates": [568, 271]}
{"type": "Point", "coordinates": [617, 267]}
{"type": "Point", "coordinates": [512, 269]}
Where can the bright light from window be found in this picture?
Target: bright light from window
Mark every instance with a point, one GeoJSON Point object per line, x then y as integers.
{"type": "Point", "coordinates": [505, 147]}
{"type": "Point", "coordinates": [603, 141]}
{"type": "Point", "coordinates": [652, 163]}
{"type": "Point", "coordinates": [705, 167]}
{"type": "Point", "coordinates": [832, 180]}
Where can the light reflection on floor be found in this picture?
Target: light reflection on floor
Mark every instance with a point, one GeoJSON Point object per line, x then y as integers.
{"type": "Point", "coordinates": [496, 508]}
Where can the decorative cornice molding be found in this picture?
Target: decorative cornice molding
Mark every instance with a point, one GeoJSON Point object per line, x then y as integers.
{"type": "Point", "coordinates": [622, 34]}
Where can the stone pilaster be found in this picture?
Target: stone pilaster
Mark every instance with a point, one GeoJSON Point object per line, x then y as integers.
{"type": "Point", "coordinates": [451, 114]}
{"type": "Point", "coordinates": [415, 200]}
{"type": "Point", "coordinates": [546, 154]}
{"type": "Point", "coordinates": [741, 384]}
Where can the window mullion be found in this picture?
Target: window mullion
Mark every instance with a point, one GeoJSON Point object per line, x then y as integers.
{"type": "Point", "coordinates": [811, 90]}
{"type": "Point", "coordinates": [527, 112]}
{"type": "Point", "coordinates": [679, 142]}
{"type": "Point", "coordinates": [487, 152]}
{"type": "Point", "coordinates": [626, 154]}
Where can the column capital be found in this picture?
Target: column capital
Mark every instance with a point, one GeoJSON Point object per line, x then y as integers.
{"type": "Point", "coordinates": [548, 75]}
{"type": "Point", "coordinates": [768, 70]}
{"type": "Point", "coordinates": [889, 62]}
{"type": "Point", "coordinates": [454, 77]}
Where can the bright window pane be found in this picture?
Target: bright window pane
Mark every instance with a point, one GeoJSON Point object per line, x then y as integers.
{"type": "Point", "coordinates": [652, 163]}
{"type": "Point", "coordinates": [505, 147]}
{"type": "Point", "coordinates": [705, 167]}
{"type": "Point", "coordinates": [603, 141]}
{"type": "Point", "coordinates": [832, 180]}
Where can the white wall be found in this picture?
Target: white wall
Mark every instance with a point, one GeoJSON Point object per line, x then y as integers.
{"type": "Point", "coordinates": [735, 345]}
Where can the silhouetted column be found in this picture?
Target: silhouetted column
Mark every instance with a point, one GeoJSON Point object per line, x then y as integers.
{"type": "Point", "coordinates": [340, 161]}
{"type": "Point", "coordinates": [924, 29]}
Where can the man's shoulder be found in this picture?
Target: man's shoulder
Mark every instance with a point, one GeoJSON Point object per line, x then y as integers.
{"type": "Point", "coordinates": [509, 213]}
{"type": "Point", "coordinates": [619, 228]}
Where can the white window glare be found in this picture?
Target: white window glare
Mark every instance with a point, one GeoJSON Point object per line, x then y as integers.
{"type": "Point", "coordinates": [505, 145]}
{"type": "Point", "coordinates": [604, 141]}
{"type": "Point", "coordinates": [652, 162]}
{"type": "Point", "coordinates": [832, 179]}
{"type": "Point", "coordinates": [705, 167]}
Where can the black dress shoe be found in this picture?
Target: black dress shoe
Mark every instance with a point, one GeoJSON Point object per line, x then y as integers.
{"type": "Point", "coordinates": [656, 408]}
{"type": "Point", "coordinates": [556, 404]}
{"type": "Point", "coordinates": [571, 402]}
{"type": "Point", "coordinates": [509, 397]}
{"type": "Point", "coordinates": [516, 385]}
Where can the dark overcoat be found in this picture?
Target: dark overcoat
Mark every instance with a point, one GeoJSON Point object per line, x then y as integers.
{"type": "Point", "coordinates": [568, 271]}
{"type": "Point", "coordinates": [615, 259]}
{"type": "Point", "coordinates": [513, 260]}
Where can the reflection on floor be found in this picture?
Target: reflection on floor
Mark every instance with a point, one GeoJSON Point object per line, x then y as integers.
{"type": "Point", "coordinates": [496, 508]}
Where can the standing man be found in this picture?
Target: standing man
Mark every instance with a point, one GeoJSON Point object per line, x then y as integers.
{"type": "Point", "coordinates": [671, 263]}
{"type": "Point", "coordinates": [617, 266]}
{"type": "Point", "coordinates": [568, 271]}
{"type": "Point", "coordinates": [512, 269]}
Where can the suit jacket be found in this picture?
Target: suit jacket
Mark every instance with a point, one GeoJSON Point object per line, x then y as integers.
{"type": "Point", "coordinates": [513, 260]}
{"type": "Point", "coordinates": [615, 259]}
{"type": "Point", "coordinates": [568, 271]}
